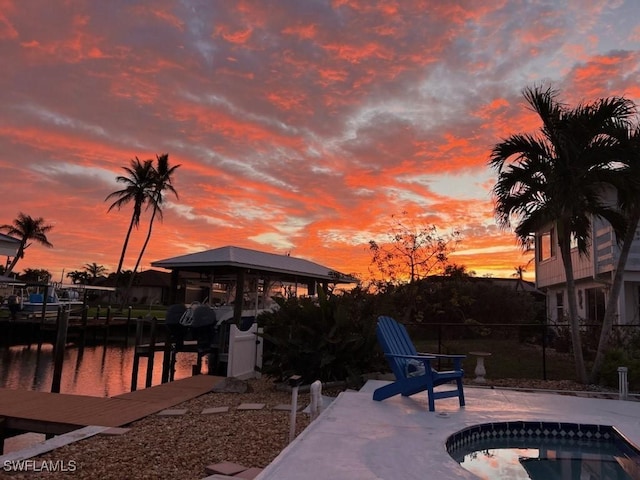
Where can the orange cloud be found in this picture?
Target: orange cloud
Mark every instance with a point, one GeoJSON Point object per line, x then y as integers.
{"type": "Point", "coordinates": [300, 127]}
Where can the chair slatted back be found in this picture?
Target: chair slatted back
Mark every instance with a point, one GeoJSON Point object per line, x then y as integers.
{"type": "Point", "coordinates": [393, 338]}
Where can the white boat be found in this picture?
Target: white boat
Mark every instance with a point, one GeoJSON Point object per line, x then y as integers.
{"type": "Point", "coordinates": [36, 299]}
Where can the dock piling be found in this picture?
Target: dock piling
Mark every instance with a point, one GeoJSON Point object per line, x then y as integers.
{"type": "Point", "coordinates": [62, 322]}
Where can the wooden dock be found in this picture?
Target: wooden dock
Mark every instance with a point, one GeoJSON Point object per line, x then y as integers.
{"type": "Point", "coordinates": [57, 413]}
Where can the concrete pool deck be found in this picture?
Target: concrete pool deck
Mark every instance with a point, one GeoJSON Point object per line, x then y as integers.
{"type": "Point", "coordinates": [398, 438]}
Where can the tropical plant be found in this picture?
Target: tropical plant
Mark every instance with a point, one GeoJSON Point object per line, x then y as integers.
{"type": "Point", "coordinates": [78, 276]}
{"type": "Point", "coordinates": [331, 338]}
{"type": "Point", "coordinates": [26, 228]}
{"type": "Point", "coordinates": [94, 271]}
{"type": "Point", "coordinates": [629, 202]}
{"type": "Point", "coordinates": [35, 275]}
{"type": "Point", "coordinates": [162, 182]}
{"type": "Point", "coordinates": [557, 176]}
{"type": "Point", "coordinates": [138, 189]}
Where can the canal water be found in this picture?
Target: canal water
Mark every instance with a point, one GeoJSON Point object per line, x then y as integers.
{"type": "Point", "coordinates": [97, 370]}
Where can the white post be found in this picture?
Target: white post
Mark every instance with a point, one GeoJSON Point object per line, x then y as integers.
{"type": "Point", "coordinates": [294, 382]}
{"type": "Point", "coordinates": [316, 399]}
{"type": "Point", "coordinates": [623, 384]}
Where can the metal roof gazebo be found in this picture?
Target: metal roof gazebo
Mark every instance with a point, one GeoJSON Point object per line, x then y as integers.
{"type": "Point", "coordinates": [238, 265]}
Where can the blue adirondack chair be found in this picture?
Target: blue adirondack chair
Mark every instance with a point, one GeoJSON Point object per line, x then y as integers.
{"type": "Point", "coordinates": [414, 371]}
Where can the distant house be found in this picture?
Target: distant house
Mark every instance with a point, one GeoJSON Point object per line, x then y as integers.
{"type": "Point", "coordinates": [149, 287]}
{"type": "Point", "coordinates": [593, 275]}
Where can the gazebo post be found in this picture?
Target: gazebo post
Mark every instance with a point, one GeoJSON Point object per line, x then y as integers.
{"type": "Point", "coordinates": [239, 299]}
{"type": "Point", "coordinates": [173, 290]}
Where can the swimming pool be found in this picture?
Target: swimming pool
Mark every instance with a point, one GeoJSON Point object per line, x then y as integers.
{"type": "Point", "coordinates": [544, 450]}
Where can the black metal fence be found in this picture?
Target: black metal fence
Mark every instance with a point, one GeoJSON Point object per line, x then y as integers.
{"type": "Point", "coordinates": [530, 351]}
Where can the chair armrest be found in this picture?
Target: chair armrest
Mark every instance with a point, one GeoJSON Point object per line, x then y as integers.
{"type": "Point", "coordinates": [456, 359]}
{"type": "Point", "coordinates": [442, 355]}
{"type": "Point", "coordinates": [413, 357]}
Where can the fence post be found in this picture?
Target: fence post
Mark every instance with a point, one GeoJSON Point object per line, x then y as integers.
{"type": "Point", "coordinates": [623, 384]}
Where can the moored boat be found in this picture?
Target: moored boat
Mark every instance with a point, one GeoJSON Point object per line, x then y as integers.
{"type": "Point", "coordinates": [31, 299]}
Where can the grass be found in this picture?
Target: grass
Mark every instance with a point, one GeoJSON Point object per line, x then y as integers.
{"type": "Point", "coordinates": [157, 311]}
{"type": "Point", "coordinates": [509, 358]}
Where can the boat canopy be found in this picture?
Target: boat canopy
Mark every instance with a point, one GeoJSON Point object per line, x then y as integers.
{"type": "Point", "coordinates": [5, 280]}
{"type": "Point", "coordinates": [229, 259]}
{"type": "Point", "coordinates": [8, 245]}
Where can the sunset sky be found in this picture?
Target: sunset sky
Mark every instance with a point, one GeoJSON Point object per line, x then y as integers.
{"type": "Point", "coordinates": [300, 126]}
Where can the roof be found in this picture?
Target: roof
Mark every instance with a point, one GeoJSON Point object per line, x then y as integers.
{"type": "Point", "coordinates": [10, 280]}
{"type": "Point", "coordinates": [153, 278]}
{"type": "Point", "coordinates": [8, 245]}
{"type": "Point", "coordinates": [517, 284]}
{"type": "Point", "coordinates": [230, 257]}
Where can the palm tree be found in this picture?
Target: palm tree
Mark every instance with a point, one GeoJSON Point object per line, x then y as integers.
{"type": "Point", "coordinates": [629, 200]}
{"type": "Point", "coordinates": [78, 276]}
{"type": "Point", "coordinates": [162, 182]}
{"type": "Point", "coordinates": [38, 275]}
{"type": "Point", "coordinates": [27, 228]}
{"type": "Point", "coordinates": [138, 189]}
{"type": "Point", "coordinates": [94, 271]}
{"type": "Point", "coordinates": [557, 178]}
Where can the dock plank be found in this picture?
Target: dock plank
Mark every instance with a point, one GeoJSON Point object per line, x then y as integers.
{"type": "Point", "coordinates": [46, 412]}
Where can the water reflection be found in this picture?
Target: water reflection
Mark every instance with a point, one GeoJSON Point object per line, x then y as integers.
{"type": "Point", "coordinates": [584, 459]}
{"type": "Point", "coordinates": [98, 371]}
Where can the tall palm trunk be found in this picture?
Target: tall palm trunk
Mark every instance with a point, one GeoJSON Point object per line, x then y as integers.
{"type": "Point", "coordinates": [124, 249]}
{"type": "Point", "coordinates": [135, 269]}
{"type": "Point", "coordinates": [564, 238]}
{"type": "Point", "coordinates": [614, 294]}
{"type": "Point", "coordinates": [124, 245]}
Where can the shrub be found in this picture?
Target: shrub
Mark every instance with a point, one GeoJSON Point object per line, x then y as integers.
{"type": "Point", "coordinates": [625, 354]}
{"type": "Point", "coordinates": [619, 358]}
{"type": "Point", "coordinates": [330, 338]}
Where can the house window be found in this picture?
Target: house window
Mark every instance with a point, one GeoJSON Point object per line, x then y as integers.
{"type": "Point", "coordinates": [546, 245]}
{"type": "Point", "coordinates": [559, 306]}
{"type": "Point", "coordinates": [595, 305]}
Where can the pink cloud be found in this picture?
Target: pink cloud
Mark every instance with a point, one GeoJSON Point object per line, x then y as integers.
{"type": "Point", "coordinates": [307, 123]}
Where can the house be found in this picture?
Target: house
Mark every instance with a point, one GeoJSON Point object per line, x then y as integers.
{"type": "Point", "coordinates": [150, 287]}
{"type": "Point", "coordinates": [593, 275]}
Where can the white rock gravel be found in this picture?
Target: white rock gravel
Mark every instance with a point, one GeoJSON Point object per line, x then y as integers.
{"type": "Point", "coordinates": [180, 447]}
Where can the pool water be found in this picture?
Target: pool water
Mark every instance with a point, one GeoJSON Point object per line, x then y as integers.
{"type": "Point", "coordinates": [545, 450]}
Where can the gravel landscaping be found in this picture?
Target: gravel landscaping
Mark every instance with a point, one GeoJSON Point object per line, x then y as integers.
{"type": "Point", "coordinates": [181, 446]}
